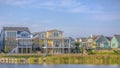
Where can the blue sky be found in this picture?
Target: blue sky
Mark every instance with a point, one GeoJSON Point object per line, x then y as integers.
{"type": "Point", "coordinates": [76, 18]}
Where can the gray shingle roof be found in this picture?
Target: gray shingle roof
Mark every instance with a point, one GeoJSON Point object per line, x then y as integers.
{"type": "Point", "coordinates": [117, 37]}
{"type": "Point", "coordinates": [16, 28]}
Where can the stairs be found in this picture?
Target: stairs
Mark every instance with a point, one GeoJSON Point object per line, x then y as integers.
{"type": "Point", "coordinates": [14, 50]}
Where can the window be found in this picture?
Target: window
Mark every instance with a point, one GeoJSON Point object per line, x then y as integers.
{"type": "Point", "coordinates": [11, 34]}
{"type": "Point", "coordinates": [24, 35]}
{"type": "Point", "coordinates": [56, 34]}
{"type": "Point", "coordinates": [113, 44]}
{"type": "Point", "coordinates": [56, 43]}
{"type": "Point", "coordinates": [42, 36]}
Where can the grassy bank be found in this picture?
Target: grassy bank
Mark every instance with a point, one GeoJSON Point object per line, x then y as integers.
{"type": "Point", "coordinates": [83, 59]}
{"type": "Point", "coordinates": [67, 59]}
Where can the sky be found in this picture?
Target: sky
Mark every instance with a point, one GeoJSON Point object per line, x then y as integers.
{"type": "Point", "coordinates": [76, 18]}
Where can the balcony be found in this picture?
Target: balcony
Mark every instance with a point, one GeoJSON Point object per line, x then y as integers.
{"type": "Point", "coordinates": [56, 46]}
{"type": "Point", "coordinates": [24, 46]}
{"type": "Point", "coordinates": [65, 46]}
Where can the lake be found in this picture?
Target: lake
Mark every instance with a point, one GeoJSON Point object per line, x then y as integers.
{"type": "Point", "coordinates": [56, 66]}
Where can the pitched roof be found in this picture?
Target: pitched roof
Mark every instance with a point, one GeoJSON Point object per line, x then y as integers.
{"type": "Point", "coordinates": [54, 30]}
{"type": "Point", "coordinates": [117, 37]}
{"type": "Point", "coordinates": [16, 28]}
{"type": "Point", "coordinates": [97, 37]}
{"type": "Point", "coordinates": [108, 38]}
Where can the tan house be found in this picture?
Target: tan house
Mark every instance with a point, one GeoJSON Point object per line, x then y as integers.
{"type": "Point", "coordinates": [53, 42]}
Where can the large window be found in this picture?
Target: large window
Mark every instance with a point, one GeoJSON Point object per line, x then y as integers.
{"type": "Point", "coordinates": [56, 43]}
{"type": "Point", "coordinates": [113, 44]}
{"type": "Point", "coordinates": [56, 34]}
{"type": "Point", "coordinates": [11, 34]}
{"type": "Point", "coordinates": [24, 35]}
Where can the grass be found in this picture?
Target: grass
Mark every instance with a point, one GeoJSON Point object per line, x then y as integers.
{"type": "Point", "coordinates": [98, 58]}
{"type": "Point", "coordinates": [20, 55]}
{"type": "Point", "coordinates": [83, 59]}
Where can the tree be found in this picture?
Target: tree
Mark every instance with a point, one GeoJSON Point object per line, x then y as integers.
{"type": "Point", "coordinates": [94, 45]}
{"type": "Point", "coordinates": [6, 49]}
{"type": "Point", "coordinates": [81, 49]}
{"type": "Point", "coordinates": [75, 48]}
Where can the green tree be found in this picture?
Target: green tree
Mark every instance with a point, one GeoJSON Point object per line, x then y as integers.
{"type": "Point", "coordinates": [6, 49]}
{"type": "Point", "coordinates": [94, 45]}
{"type": "Point", "coordinates": [75, 48]}
{"type": "Point", "coordinates": [81, 50]}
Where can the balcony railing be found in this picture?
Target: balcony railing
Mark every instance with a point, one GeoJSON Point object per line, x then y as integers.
{"type": "Point", "coordinates": [24, 46]}
{"type": "Point", "coordinates": [56, 46]}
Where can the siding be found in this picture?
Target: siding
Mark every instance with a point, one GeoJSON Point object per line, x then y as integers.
{"type": "Point", "coordinates": [114, 43]}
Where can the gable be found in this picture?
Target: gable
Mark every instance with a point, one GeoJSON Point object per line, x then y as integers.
{"type": "Point", "coordinates": [101, 39]}
{"type": "Point", "coordinates": [114, 43]}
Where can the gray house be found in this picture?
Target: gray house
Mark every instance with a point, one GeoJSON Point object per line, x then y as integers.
{"type": "Point", "coordinates": [16, 40]}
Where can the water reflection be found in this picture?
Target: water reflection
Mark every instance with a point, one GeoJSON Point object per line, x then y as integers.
{"type": "Point", "coordinates": [56, 66]}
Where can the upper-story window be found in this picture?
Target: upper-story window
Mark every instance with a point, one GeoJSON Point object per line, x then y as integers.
{"type": "Point", "coordinates": [11, 34]}
{"type": "Point", "coordinates": [56, 43]}
{"type": "Point", "coordinates": [56, 34]}
{"type": "Point", "coordinates": [42, 35]}
{"type": "Point", "coordinates": [24, 35]}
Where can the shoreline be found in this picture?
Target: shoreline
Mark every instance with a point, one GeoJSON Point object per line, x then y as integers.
{"type": "Point", "coordinates": [61, 59]}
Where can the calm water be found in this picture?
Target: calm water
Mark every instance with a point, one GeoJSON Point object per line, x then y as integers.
{"type": "Point", "coordinates": [56, 66]}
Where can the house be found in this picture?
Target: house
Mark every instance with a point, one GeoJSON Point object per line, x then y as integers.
{"type": "Point", "coordinates": [81, 41]}
{"type": "Point", "coordinates": [16, 40]}
{"type": "Point", "coordinates": [53, 42]}
{"type": "Point", "coordinates": [102, 42]}
{"type": "Point", "coordinates": [90, 42]}
{"type": "Point", "coordinates": [115, 41]}
{"type": "Point", "coordinates": [109, 41]}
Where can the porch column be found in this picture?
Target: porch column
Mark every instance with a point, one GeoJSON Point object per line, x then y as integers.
{"type": "Point", "coordinates": [63, 46]}
{"type": "Point", "coordinates": [46, 45]}
{"type": "Point", "coordinates": [27, 49]}
{"type": "Point", "coordinates": [22, 49]}
{"type": "Point", "coordinates": [30, 50]}
{"type": "Point", "coordinates": [69, 46]}
{"type": "Point", "coordinates": [52, 47]}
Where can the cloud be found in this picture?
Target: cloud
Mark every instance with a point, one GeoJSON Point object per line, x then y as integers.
{"type": "Point", "coordinates": [15, 2]}
{"type": "Point", "coordinates": [105, 17]}
{"type": "Point", "coordinates": [72, 6]}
